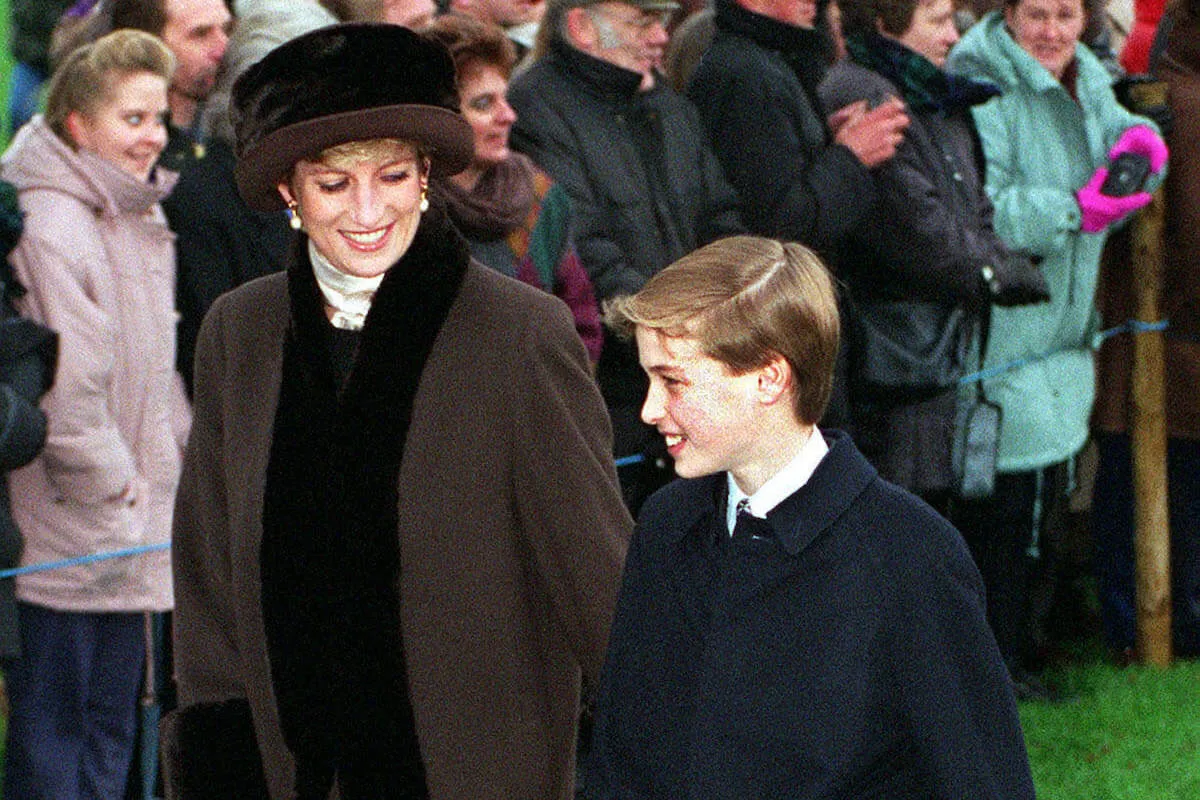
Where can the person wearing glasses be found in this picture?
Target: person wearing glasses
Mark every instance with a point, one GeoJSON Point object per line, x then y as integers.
{"type": "Point", "coordinates": [595, 113]}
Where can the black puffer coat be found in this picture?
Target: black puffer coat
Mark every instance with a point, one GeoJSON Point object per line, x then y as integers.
{"type": "Point", "coordinates": [28, 353]}
{"type": "Point", "coordinates": [755, 88]}
{"type": "Point", "coordinates": [645, 187]}
{"type": "Point", "coordinates": [928, 240]}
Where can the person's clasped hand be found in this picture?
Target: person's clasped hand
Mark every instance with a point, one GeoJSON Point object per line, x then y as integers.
{"type": "Point", "coordinates": [871, 134]}
{"type": "Point", "coordinates": [1099, 210]}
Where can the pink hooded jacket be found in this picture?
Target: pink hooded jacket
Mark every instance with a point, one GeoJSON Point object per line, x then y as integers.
{"type": "Point", "coordinates": [99, 264]}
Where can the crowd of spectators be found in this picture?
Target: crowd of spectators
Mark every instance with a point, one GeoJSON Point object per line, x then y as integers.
{"type": "Point", "coordinates": [953, 164]}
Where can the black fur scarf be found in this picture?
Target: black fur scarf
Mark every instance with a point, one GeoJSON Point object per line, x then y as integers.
{"type": "Point", "coordinates": [330, 550]}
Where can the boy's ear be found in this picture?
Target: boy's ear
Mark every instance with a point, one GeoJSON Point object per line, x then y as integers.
{"type": "Point", "coordinates": [775, 381]}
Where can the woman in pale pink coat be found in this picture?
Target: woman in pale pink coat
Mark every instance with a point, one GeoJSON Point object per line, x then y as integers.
{"type": "Point", "coordinates": [98, 262]}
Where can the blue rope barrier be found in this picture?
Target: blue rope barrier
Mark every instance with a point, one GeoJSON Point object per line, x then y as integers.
{"type": "Point", "coordinates": [79, 560]}
{"type": "Point", "coordinates": [1129, 326]}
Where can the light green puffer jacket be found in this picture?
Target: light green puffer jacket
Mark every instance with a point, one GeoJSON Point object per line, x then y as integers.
{"type": "Point", "coordinates": [1040, 146]}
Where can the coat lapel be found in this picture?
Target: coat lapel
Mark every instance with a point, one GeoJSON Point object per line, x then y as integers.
{"type": "Point", "coordinates": [756, 566]}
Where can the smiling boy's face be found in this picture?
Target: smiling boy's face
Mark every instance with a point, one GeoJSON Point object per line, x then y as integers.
{"type": "Point", "coordinates": [711, 419]}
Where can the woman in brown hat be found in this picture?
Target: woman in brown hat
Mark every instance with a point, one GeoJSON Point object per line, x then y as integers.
{"type": "Point", "coordinates": [399, 532]}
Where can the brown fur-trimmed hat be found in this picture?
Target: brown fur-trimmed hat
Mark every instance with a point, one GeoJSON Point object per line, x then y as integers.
{"type": "Point", "coordinates": [341, 84]}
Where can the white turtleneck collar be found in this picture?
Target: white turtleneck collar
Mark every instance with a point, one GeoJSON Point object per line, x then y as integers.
{"type": "Point", "coordinates": [349, 296]}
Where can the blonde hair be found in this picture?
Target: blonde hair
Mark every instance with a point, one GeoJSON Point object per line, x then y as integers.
{"type": "Point", "coordinates": [348, 152]}
{"type": "Point", "coordinates": [746, 300]}
{"type": "Point", "coordinates": [86, 78]}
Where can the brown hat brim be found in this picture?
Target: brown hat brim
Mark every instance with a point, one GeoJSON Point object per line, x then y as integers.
{"type": "Point", "coordinates": [446, 136]}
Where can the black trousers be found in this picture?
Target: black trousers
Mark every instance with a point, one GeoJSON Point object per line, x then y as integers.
{"type": "Point", "coordinates": [1014, 536]}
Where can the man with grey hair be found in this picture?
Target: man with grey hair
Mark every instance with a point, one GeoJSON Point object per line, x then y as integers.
{"type": "Point", "coordinates": [594, 112]}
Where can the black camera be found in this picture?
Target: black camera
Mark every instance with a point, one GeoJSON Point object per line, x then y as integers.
{"type": "Point", "coordinates": [1126, 174]}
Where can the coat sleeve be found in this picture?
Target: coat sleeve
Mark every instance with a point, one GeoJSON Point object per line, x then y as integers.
{"type": "Point", "coordinates": [1035, 217]}
{"type": "Point", "coordinates": [790, 188]}
{"type": "Point", "coordinates": [924, 240]}
{"type": "Point", "coordinates": [567, 496]}
{"type": "Point", "coordinates": [86, 457]}
{"type": "Point", "coordinates": [209, 744]}
{"type": "Point", "coordinates": [22, 429]}
{"type": "Point", "coordinates": [542, 134]}
{"type": "Point", "coordinates": [953, 688]}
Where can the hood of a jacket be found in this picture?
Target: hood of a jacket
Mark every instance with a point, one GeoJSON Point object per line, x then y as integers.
{"type": "Point", "coordinates": [988, 51]}
{"type": "Point", "coordinates": [38, 159]}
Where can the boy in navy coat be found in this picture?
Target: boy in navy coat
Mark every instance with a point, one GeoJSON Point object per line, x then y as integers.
{"type": "Point", "coordinates": [789, 625]}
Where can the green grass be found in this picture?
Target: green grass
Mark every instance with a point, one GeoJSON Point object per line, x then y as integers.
{"type": "Point", "coordinates": [5, 73]}
{"type": "Point", "coordinates": [1133, 734]}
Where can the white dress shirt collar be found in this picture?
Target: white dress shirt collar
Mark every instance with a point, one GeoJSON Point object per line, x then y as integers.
{"type": "Point", "coordinates": [782, 484]}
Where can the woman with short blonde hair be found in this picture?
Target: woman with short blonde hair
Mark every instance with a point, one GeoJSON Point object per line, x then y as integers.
{"type": "Point", "coordinates": [99, 264]}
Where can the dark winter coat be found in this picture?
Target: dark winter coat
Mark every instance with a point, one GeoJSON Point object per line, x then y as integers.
{"type": "Point", "coordinates": [220, 242]}
{"type": "Point", "coordinates": [28, 353]}
{"type": "Point", "coordinates": [928, 241]}
{"type": "Point", "coordinates": [755, 88]}
{"type": "Point", "coordinates": [846, 657]}
{"type": "Point", "coordinates": [646, 190]}
{"type": "Point", "coordinates": [584, 121]}
{"type": "Point", "coordinates": [510, 533]}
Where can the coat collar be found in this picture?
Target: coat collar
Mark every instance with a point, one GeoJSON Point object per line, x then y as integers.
{"type": "Point", "coordinates": [766, 31]}
{"type": "Point", "coordinates": [435, 260]}
{"type": "Point", "coordinates": [842, 475]}
{"type": "Point", "coordinates": [695, 541]}
{"type": "Point", "coordinates": [804, 50]}
{"type": "Point", "coordinates": [598, 76]}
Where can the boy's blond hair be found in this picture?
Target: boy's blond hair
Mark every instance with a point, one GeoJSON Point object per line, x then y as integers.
{"type": "Point", "coordinates": [746, 300]}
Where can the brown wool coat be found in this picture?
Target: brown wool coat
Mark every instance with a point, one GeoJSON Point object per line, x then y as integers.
{"type": "Point", "coordinates": [512, 536]}
{"type": "Point", "coordinates": [1180, 68]}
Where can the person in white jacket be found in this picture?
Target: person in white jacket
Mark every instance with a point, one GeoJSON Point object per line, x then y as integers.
{"type": "Point", "coordinates": [98, 262]}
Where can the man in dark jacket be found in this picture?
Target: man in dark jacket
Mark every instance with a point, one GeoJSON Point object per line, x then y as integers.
{"type": "Point", "coordinates": [789, 625]}
{"type": "Point", "coordinates": [799, 177]}
{"type": "Point", "coordinates": [594, 112]}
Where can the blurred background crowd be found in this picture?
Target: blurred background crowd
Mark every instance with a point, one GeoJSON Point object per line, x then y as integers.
{"type": "Point", "coordinates": [970, 171]}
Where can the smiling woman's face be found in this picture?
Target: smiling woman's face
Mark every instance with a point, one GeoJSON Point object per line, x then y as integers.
{"type": "Point", "coordinates": [1047, 30]}
{"type": "Point", "coordinates": [360, 203]}
{"type": "Point", "coordinates": [128, 127]}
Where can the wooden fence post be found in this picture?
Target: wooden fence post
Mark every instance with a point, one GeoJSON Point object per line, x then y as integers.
{"type": "Point", "coordinates": [1148, 435]}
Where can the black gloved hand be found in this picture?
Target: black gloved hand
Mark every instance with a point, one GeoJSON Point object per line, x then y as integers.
{"type": "Point", "coordinates": [1015, 281]}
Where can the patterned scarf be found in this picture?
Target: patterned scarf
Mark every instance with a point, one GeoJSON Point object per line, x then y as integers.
{"type": "Point", "coordinates": [499, 202]}
{"type": "Point", "coordinates": [924, 87]}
